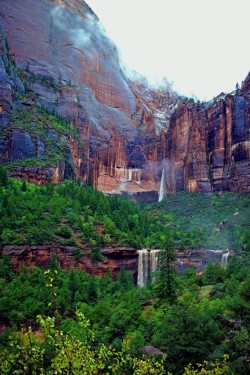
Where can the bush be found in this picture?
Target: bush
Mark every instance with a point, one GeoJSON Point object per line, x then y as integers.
{"type": "Point", "coordinates": [63, 231]}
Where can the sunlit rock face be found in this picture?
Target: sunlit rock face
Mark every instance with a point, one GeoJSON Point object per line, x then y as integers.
{"type": "Point", "coordinates": [208, 145]}
{"type": "Point", "coordinates": [128, 132]}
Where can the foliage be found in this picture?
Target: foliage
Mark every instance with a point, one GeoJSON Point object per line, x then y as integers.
{"type": "Point", "coordinates": [115, 320]}
{"type": "Point", "coordinates": [68, 322]}
{"type": "Point", "coordinates": [3, 177]}
{"type": "Point", "coordinates": [216, 221]}
{"type": "Point", "coordinates": [69, 356]}
{"type": "Point", "coordinates": [166, 283]}
{"type": "Point", "coordinates": [73, 215]}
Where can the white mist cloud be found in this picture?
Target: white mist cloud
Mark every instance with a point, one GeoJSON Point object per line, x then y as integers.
{"type": "Point", "coordinates": [80, 32]}
{"type": "Point", "coordinates": [80, 38]}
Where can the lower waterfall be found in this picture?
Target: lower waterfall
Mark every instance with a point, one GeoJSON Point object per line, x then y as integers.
{"type": "Point", "coordinates": [224, 259]}
{"type": "Point", "coordinates": [147, 263]}
{"type": "Point", "coordinates": [153, 260]}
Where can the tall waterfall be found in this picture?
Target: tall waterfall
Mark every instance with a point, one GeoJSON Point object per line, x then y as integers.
{"type": "Point", "coordinates": [147, 263]}
{"type": "Point", "coordinates": [224, 259]}
{"type": "Point", "coordinates": [162, 186]}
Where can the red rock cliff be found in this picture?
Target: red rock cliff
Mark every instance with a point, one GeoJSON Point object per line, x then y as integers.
{"type": "Point", "coordinates": [71, 68]}
{"type": "Point", "coordinates": [208, 145]}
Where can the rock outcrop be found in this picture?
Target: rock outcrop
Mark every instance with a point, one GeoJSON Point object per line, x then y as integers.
{"type": "Point", "coordinates": [55, 54]}
{"type": "Point", "coordinates": [208, 145]}
{"type": "Point", "coordinates": [67, 257]}
{"type": "Point", "coordinates": [114, 258]}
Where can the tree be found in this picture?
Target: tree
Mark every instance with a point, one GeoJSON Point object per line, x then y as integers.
{"type": "Point", "coordinates": [5, 268]}
{"type": "Point", "coordinates": [214, 274]}
{"type": "Point", "coordinates": [3, 177]}
{"type": "Point", "coordinates": [24, 186]}
{"type": "Point", "coordinates": [54, 266]}
{"type": "Point", "coordinates": [125, 279]}
{"type": "Point", "coordinates": [166, 285]}
{"type": "Point", "coordinates": [68, 355]}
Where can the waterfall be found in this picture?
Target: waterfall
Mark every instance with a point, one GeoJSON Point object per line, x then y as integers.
{"type": "Point", "coordinates": [143, 260]}
{"type": "Point", "coordinates": [162, 186]}
{"type": "Point", "coordinates": [130, 174]}
{"type": "Point", "coordinates": [153, 260]}
{"type": "Point", "coordinates": [147, 263]}
{"type": "Point", "coordinates": [224, 259]}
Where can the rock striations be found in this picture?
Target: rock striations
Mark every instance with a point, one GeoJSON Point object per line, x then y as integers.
{"type": "Point", "coordinates": [55, 55]}
{"type": "Point", "coordinates": [208, 145]}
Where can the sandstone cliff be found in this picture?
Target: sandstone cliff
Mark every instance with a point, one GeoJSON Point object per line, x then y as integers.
{"type": "Point", "coordinates": [55, 55]}
{"type": "Point", "coordinates": [114, 259]}
{"type": "Point", "coordinates": [71, 68]}
{"type": "Point", "coordinates": [208, 145]}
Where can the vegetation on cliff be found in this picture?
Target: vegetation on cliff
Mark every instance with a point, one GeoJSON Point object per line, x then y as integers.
{"type": "Point", "coordinates": [213, 221]}
{"type": "Point", "coordinates": [49, 133]}
{"type": "Point", "coordinates": [73, 215]}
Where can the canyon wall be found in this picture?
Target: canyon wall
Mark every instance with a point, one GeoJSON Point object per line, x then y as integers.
{"type": "Point", "coordinates": [68, 65]}
{"type": "Point", "coordinates": [208, 145]}
{"type": "Point", "coordinates": [55, 54]}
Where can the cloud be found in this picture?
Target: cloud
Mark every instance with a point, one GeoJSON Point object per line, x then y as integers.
{"type": "Point", "coordinates": [80, 38]}
{"type": "Point", "coordinates": [79, 30]}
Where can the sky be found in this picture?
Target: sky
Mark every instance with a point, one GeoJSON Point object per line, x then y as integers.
{"type": "Point", "coordinates": [202, 46]}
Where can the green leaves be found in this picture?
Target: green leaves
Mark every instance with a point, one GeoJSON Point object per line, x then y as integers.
{"type": "Point", "coordinates": [70, 356]}
{"type": "Point", "coordinates": [73, 215]}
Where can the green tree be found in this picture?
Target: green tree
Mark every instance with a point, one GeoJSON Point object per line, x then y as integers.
{"type": "Point", "coordinates": [166, 284]}
{"type": "Point", "coordinates": [3, 177]}
{"type": "Point", "coordinates": [125, 279]}
{"type": "Point", "coordinates": [214, 273]}
{"type": "Point", "coordinates": [5, 268]}
{"type": "Point", "coordinates": [24, 186]}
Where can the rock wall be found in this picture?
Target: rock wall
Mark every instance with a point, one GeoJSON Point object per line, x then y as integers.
{"type": "Point", "coordinates": [72, 68]}
{"type": "Point", "coordinates": [56, 54]}
{"type": "Point", "coordinates": [208, 145]}
{"type": "Point", "coordinates": [114, 259]}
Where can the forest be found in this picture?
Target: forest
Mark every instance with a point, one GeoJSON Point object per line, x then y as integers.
{"type": "Point", "coordinates": [59, 321]}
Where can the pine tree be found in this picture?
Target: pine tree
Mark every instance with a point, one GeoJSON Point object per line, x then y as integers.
{"type": "Point", "coordinates": [3, 177]}
{"type": "Point", "coordinates": [166, 285]}
{"type": "Point", "coordinates": [24, 186]}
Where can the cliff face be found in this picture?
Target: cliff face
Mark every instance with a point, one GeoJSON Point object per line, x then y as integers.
{"type": "Point", "coordinates": [114, 259]}
{"type": "Point", "coordinates": [71, 68]}
{"type": "Point", "coordinates": [208, 145]}
{"type": "Point", "coordinates": [55, 55]}
{"type": "Point", "coordinates": [23, 256]}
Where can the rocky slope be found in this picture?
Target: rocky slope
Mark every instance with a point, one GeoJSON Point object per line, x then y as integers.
{"type": "Point", "coordinates": [55, 55]}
